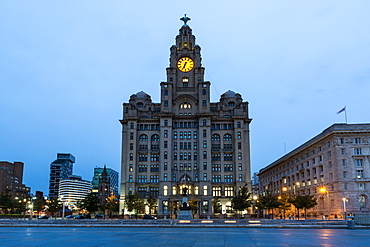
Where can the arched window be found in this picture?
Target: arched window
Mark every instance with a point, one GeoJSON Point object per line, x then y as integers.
{"type": "Point", "coordinates": [215, 137]}
{"type": "Point", "coordinates": [185, 106]}
{"type": "Point", "coordinates": [155, 138]}
{"type": "Point", "coordinates": [140, 104]}
{"type": "Point", "coordinates": [227, 137]}
{"type": "Point", "coordinates": [143, 138]}
{"type": "Point", "coordinates": [231, 103]}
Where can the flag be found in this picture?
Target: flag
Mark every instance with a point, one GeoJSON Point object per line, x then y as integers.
{"type": "Point", "coordinates": [344, 108]}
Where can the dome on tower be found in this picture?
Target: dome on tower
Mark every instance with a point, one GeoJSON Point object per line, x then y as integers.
{"type": "Point", "coordinates": [142, 94]}
{"type": "Point", "coordinates": [229, 94]}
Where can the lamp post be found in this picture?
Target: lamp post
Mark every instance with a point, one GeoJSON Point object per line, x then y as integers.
{"type": "Point", "coordinates": [324, 191]}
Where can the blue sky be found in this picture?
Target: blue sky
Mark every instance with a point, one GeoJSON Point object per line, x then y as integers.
{"type": "Point", "coordinates": [66, 67]}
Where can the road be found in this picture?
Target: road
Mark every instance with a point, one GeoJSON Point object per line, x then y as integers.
{"type": "Point", "coordinates": [159, 236]}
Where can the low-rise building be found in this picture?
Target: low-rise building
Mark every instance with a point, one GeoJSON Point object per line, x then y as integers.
{"type": "Point", "coordinates": [73, 189]}
{"type": "Point", "coordinates": [334, 166]}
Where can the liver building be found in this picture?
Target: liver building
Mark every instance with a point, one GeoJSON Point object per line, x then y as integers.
{"type": "Point", "coordinates": [185, 142]}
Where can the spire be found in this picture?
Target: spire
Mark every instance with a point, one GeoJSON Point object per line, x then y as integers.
{"type": "Point", "coordinates": [104, 175]}
{"type": "Point", "coordinates": [185, 19]}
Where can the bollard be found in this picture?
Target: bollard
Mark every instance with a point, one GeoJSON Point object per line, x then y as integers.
{"type": "Point", "coordinates": [350, 222]}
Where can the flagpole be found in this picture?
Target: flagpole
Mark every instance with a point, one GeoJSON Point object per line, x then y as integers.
{"type": "Point", "coordinates": [345, 113]}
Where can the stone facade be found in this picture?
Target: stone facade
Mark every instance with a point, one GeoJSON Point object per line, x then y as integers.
{"type": "Point", "coordinates": [185, 140]}
{"type": "Point", "coordinates": [337, 160]}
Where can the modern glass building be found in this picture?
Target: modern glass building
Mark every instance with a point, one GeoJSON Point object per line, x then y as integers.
{"type": "Point", "coordinates": [113, 175]}
{"type": "Point", "coordinates": [73, 189]}
{"type": "Point", "coordinates": [60, 169]}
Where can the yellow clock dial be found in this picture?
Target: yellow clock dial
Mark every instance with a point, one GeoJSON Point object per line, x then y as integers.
{"type": "Point", "coordinates": [185, 64]}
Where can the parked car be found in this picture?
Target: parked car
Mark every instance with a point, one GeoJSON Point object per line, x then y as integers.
{"type": "Point", "coordinates": [45, 217]}
{"type": "Point", "coordinates": [70, 216]}
{"type": "Point", "coordinates": [80, 216]}
{"type": "Point", "coordinates": [99, 216]}
{"type": "Point", "coordinates": [148, 217]}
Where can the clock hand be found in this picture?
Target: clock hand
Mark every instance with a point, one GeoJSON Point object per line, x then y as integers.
{"type": "Point", "coordinates": [184, 65]}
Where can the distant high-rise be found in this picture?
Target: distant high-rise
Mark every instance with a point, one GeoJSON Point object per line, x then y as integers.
{"type": "Point", "coordinates": [113, 176]}
{"type": "Point", "coordinates": [60, 169]}
{"type": "Point", "coordinates": [73, 189]}
{"type": "Point", "coordinates": [11, 179]}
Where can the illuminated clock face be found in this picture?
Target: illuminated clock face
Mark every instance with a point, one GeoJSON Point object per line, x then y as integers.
{"type": "Point", "coordinates": [185, 64]}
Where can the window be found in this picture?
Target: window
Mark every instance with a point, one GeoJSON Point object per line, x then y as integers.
{"type": "Point", "coordinates": [357, 151]}
{"type": "Point", "coordinates": [143, 138]}
{"type": "Point", "coordinates": [204, 103]}
{"type": "Point", "coordinates": [165, 190]}
{"type": "Point", "coordinates": [131, 168]}
{"type": "Point", "coordinates": [344, 162]}
{"type": "Point", "coordinates": [240, 157]}
{"type": "Point", "coordinates": [239, 145]}
{"type": "Point", "coordinates": [357, 140]}
{"type": "Point", "coordinates": [228, 157]}
{"type": "Point", "coordinates": [142, 191]}
{"type": "Point", "coordinates": [205, 190]}
{"type": "Point", "coordinates": [155, 138]}
{"type": "Point", "coordinates": [345, 186]}
{"type": "Point", "coordinates": [240, 178]}
{"type": "Point", "coordinates": [175, 135]}
{"type": "Point", "coordinates": [342, 151]}
{"type": "Point", "coordinates": [216, 167]}
{"type": "Point", "coordinates": [165, 144]}
{"type": "Point", "coordinates": [174, 190]}
{"type": "Point", "coordinates": [229, 191]}
{"type": "Point", "coordinates": [142, 179]}
{"type": "Point", "coordinates": [204, 165]}
{"type": "Point", "coordinates": [154, 179]}
{"type": "Point", "coordinates": [239, 125]}
{"type": "Point", "coordinates": [204, 176]}
{"type": "Point", "coordinates": [204, 133]}
{"type": "Point", "coordinates": [204, 144]}
{"type": "Point", "coordinates": [165, 134]}
{"type": "Point", "coordinates": [362, 201]}
{"type": "Point", "coordinates": [166, 103]}
{"type": "Point", "coordinates": [185, 82]}
{"type": "Point", "coordinates": [185, 106]}
{"type": "Point", "coordinates": [166, 92]}
{"type": "Point", "coordinates": [196, 190]}
{"type": "Point", "coordinates": [216, 191]}
{"type": "Point", "coordinates": [239, 135]}
{"type": "Point", "coordinates": [165, 166]}
{"type": "Point", "coordinates": [204, 154]}
{"type": "Point", "coordinates": [216, 178]}
{"type": "Point", "coordinates": [131, 136]}
{"type": "Point", "coordinates": [344, 174]}
{"type": "Point", "coordinates": [240, 167]}
{"type": "Point", "coordinates": [359, 174]}
{"type": "Point", "coordinates": [131, 146]}
{"type": "Point", "coordinates": [132, 126]}
{"type": "Point", "coordinates": [204, 122]}
{"type": "Point", "coordinates": [228, 167]}
{"type": "Point", "coordinates": [131, 157]}
{"type": "Point", "coordinates": [204, 92]}
{"type": "Point", "coordinates": [228, 178]}
{"type": "Point", "coordinates": [215, 137]}
{"type": "Point", "coordinates": [130, 178]}
{"type": "Point", "coordinates": [227, 137]}
{"type": "Point", "coordinates": [361, 186]}
{"type": "Point", "coordinates": [358, 162]}
{"type": "Point", "coordinates": [341, 141]}
{"type": "Point", "coordinates": [195, 135]}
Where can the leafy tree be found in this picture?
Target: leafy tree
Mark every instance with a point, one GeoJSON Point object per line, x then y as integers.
{"type": "Point", "coordinates": [193, 204]}
{"type": "Point", "coordinates": [54, 205]}
{"type": "Point", "coordinates": [285, 203]}
{"type": "Point", "coordinates": [151, 202]}
{"type": "Point", "coordinates": [6, 202]}
{"type": "Point", "coordinates": [90, 203]}
{"type": "Point", "coordinates": [112, 205]}
{"type": "Point", "coordinates": [242, 200]}
{"type": "Point", "coordinates": [303, 202]}
{"type": "Point", "coordinates": [39, 205]}
{"type": "Point", "coordinates": [269, 202]}
{"type": "Point", "coordinates": [134, 203]}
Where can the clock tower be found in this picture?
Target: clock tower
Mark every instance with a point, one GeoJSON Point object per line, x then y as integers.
{"type": "Point", "coordinates": [185, 142]}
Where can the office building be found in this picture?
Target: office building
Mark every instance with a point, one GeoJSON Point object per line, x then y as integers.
{"type": "Point", "coordinates": [11, 180]}
{"type": "Point", "coordinates": [73, 189]}
{"type": "Point", "coordinates": [60, 169]}
{"type": "Point", "coordinates": [113, 177]}
{"type": "Point", "coordinates": [185, 140]}
{"type": "Point", "coordinates": [333, 166]}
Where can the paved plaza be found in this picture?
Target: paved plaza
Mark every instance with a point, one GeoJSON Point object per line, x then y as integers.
{"type": "Point", "coordinates": [159, 236]}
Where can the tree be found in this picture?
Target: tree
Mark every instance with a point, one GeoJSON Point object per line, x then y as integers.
{"type": "Point", "coordinates": [303, 202]}
{"type": "Point", "coordinates": [54, 205]}
{"type": "Point", "coordinates": [151, 202]}
{"type": "Point", "coordinates": [134, 203]}
{"type": "Point", "coordinates": [285, 203]}
{"type": "Point", "coordinates": [269, 202]}
{"type": "Point", "coordinates": [193, 204]}
{"type": "Point", "coordinates": [90, 203]}
{"type": "Point", "coordinates": [242, 200]}
{"type": "Point", "coordinates": [6, 202]}
{"type": "Point", "coordinates": [112, 205]}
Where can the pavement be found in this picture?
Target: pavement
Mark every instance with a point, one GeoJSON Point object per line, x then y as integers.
{"type": "Point", "coordinates": [179, 236]}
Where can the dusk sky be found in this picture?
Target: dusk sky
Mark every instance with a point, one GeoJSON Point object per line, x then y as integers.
{"type": "Point", "coordinates": [66, 67]}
